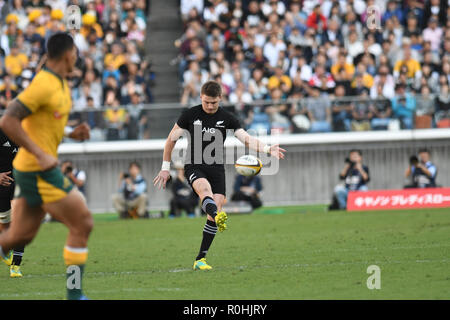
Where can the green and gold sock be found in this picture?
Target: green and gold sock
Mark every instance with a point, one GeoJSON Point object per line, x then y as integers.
{"type": "Point", "coordinates": [75, 259]}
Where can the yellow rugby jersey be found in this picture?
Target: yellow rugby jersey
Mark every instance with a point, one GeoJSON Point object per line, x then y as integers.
{"type": "Point", "coordinates": [48, 99]}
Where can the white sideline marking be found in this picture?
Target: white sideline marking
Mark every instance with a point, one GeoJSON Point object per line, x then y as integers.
{"type": "Point", "coordinates": [295, 265]}
{"type": "Point", "coordinates": [27, 294]}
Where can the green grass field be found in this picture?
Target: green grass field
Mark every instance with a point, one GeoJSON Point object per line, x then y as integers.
{"type": "Point", "coordinates": [274, 253]}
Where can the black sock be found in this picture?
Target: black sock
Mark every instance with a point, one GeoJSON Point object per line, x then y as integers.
{"type": "Point", "coordinates": [17, 255]}
{"type": "Point", "coordinates": [209, 231]}
{"type": "Point", "coordinates": [209, 206]}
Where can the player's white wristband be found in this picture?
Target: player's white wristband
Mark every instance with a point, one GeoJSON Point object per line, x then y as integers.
{"type": "Point", "coordinates": [266, 148]}
{"type": "Point", "coordinates": [67, 131]}
{"type": "Point", "coordinates": [165, 165]}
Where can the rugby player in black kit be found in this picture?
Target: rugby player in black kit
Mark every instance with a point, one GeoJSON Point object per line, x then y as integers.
{"type": "Point", "coordinates": [8, 151]}
{"type": "Point", "coordinates": [207, 125]}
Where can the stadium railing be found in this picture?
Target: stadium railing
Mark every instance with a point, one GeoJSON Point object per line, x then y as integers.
{"type": "Point", "coordinates": [282, 116]}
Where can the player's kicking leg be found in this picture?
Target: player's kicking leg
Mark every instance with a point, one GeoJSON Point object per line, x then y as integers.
{"type": "Point", "coordinates": [216, 219]}
{"type": "Point", "coordinates": [73, 212]}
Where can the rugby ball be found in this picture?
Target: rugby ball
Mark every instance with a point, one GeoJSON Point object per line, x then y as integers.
{"type": "Point", "coordinates": [248, 165]}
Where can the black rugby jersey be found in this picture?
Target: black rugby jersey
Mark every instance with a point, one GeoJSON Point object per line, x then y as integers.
{"type": "Point", "coordinates": [8, 151]}
{"type": "Point", "coordinates": [207, 134]}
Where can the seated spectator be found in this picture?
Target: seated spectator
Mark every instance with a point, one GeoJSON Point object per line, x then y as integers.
{"type": "Point", "coordinates": [421, 171]}
{"type": "Point", "coordinates": [321, 78]}
{"type": "Point", "coordinates": [278, 79]}
{"type": "Point", "coordinates": [278, 112]}
{"type": "Point", "coordinates": [187, 5]}
{"type": "Point", "coordinates": [131, 201]}
{"type": "Point", "coordinates": [319, 112]}
{"type": "Point", "coordinates": [332, 33]}
{"type": "Point", "coordinates": [191, 91]}
{"type": "Point", "coordinates": [341, 110]}
{"type": "Point", "coordinates": [412, 66]}
{"type": "Point", "coordinates": [258, 120]}
{"type": "Point", "coordinates": [116, 58]}
{"type": "Point", "coordinates": [184, 198]}
{"type": "Point", "coordinates": [442, 114]}
{"type": "Point", "coordinates": [300, 66]}
{"type": "Point", "coordinates": [248, 189]}
{"type": "Point", "coordinates": [316, 20]}
{"type": "Point", "coordinates": [381, 110]}
{"type": "Point", "coordinates": [257, 85]}
{"type": "Point", "coordinates": [240, 95]}
{"type": "Point", "coordinates": [355, 175]}
{"type": "Point", "coordinates": [115, 118]}
{"type": "Point", "coordinates": [361, 114]}
{"type": "Point", "coordinates": [425, 106]}
{"type": "Point", "coordinates": [343, 64]}
{"type": "Point", "coordinates": [93, 117]}
{"type": "Point", "coordinates": [361, 83]}
{"type": "Point", "coordinates": [403, 106]}
{"type": "Point", "coordinates": [15, 62]}
{"type": "Point", "coordinates": [353, 45]}
{"type": "Point", "coordinates": [393, 10]}
{"type": "Point", "coordinates": [136, 120]}
{"type": "Point", "coordinates": [433, 33]}
{"type": "Point", "coordinates": [272, 49]}
{"type": "Point", "coordinates": [386, 81]}
{"type": "Point", "coordinates": [8, 91]}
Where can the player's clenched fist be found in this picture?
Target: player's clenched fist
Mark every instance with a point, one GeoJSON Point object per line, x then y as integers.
{"type": "Point", "coordinates": [81, 132]}
{"type": "Point", "coordinates": [161, 179]}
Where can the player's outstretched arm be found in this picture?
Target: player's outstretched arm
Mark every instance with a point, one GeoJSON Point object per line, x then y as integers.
{"type": "Point", "coordinates": [259, 146]}
{"type": "Point", "coordinates": [12, 126]}
{"type": "Point", "coordinates": [164, 175]}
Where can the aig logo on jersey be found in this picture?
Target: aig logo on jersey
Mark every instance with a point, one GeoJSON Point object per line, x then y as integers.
{"type": "Point", "coordinates": [209, 130]}
{"type": "Point", "coordinates": [198, 122]}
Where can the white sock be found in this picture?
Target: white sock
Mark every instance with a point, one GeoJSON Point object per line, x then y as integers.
{"type": "Point", "coordinates": [1, 253]}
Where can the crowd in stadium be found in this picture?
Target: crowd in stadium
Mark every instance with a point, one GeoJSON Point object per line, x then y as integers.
{"type": "Point", "coordinates": [111, 69]}
{"type": "Point", "coordinates": [288, 65]}
{"type": "Point", "coordinates": [333, 55]}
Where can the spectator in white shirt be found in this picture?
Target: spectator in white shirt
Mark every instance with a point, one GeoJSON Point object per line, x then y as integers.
{"type": "Point", "coordinates": [433, 34]}
{"type": "Point", "coordinates": [272, 49]}
{"type": "Point", "coordinates": [213, 13]}
{"type": "Point", "coordinates": [386, 80]}
{"type": "Point", "coordinates": [187, 5]}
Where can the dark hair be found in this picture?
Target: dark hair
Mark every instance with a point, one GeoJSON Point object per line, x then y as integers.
{"type": "Point", "coordinates": [134, 163]}
{"type": "Point", "coordinates": [211, 89]}
{"type": "Point", "coordinates": [356, 150]}
{"type": "Point", "coordinates": [58, 44]}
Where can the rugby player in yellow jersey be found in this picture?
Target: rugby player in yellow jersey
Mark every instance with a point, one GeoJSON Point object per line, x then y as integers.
{"type": "Point", "coordinates": [36, 121]}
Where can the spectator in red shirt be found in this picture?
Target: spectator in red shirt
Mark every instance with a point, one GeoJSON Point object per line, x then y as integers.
{"type": "Point", "coordinates": [317, 20]}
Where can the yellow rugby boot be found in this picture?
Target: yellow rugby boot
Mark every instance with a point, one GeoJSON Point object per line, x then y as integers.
{"type": "Point", "coordinates": [220, 219]}
{"type": "Point", "coordinates": [14, 272]}
{"type": "Point", "coordinates": [201, 265]}
{"type": "Point", "coordinates": [8, 259]}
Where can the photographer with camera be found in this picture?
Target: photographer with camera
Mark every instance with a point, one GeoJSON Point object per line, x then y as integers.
{"type": "Point", "coordinates": [421, 171]}
{"type": "Point", "coordinates": [184, 198]}
{"type": "Point", "coordinates": [131, 201]}
{"type": "Point", "coordinates": [355, 176]}
{"type": "Point", "coordinates": [77, 177]}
